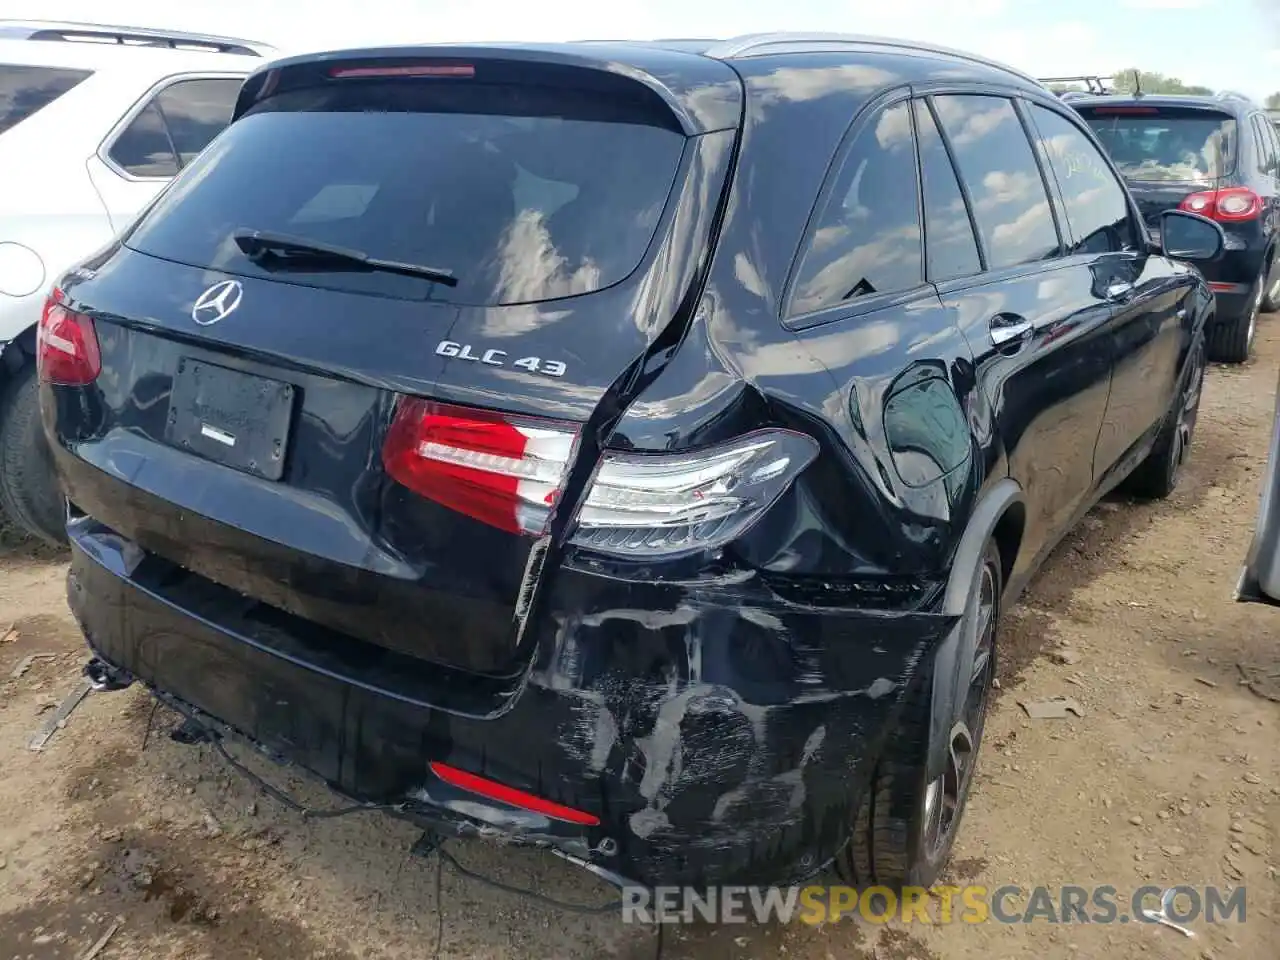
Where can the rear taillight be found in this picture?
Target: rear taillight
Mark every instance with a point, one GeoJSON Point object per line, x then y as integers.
{"type": "Point", "coordinates": [1226, 205]}
{"type": "Point", "coordinates": [509, 472]}
{"type": "Point", "coordinates": [504, 471]}
{"type": "Point", "coordinates": [66, 346]}
{"type": "Point", "coordinates": [646, 506]}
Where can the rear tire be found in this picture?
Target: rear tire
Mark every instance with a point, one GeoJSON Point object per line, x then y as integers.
{"type": "Point", "coordinates": [1156, 477]}
{"type": "Point", "coordinates": [29, 492]}
{"type": "Point", "coordinates": [1271, 295]}
{"type": "Point", "coordinates": [906, 826]}
{"type": "Point", "coordinates": [1231, 341]}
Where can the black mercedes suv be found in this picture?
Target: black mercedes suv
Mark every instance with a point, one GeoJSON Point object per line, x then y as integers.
{"type": "Point", "coordinates": [1217, 156]}
{"type": "Point", "coordinates": [624, 448]}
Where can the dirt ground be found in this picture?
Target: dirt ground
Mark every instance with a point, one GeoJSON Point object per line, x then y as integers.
{"type": "Point", "coordinates": [1171, 776]}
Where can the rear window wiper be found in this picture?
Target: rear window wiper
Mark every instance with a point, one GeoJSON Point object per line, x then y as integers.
{"type": "Point", "coordinates": [264, 245]}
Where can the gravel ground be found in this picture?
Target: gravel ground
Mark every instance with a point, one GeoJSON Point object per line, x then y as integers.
{"type": "Point", "coordinates": [1171, 776]}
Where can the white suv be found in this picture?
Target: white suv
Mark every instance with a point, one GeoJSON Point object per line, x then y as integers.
{"type": "Point", "coordinates": [94, 121]}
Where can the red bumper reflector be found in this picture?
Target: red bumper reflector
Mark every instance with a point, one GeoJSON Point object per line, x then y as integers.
{"type": "Point", "coordinates": [1227, 287]}
{"type": "Point", "coordinates": [511, 796]}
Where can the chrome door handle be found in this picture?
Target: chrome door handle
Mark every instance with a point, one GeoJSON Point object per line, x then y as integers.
{"type": "Point", "coordinates": [1119, 292]}
{"type": "Point", "coordinates": [1008, 330]}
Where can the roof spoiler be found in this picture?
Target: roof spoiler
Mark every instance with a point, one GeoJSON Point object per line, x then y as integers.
{"type": "Point", "coordinates": [683, 94]}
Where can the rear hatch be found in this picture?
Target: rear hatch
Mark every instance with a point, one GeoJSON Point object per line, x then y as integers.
{"type": "Point", "coordinates": [1167, 154]}
{"type": "Point", "coordinates": [379, 283]}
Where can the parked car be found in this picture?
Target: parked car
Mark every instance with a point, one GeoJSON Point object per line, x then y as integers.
{"type": "Point", "coordinates": [1217, 156]}
{"type": "Point", "coordinates": [127, 108]}
{"type": "Point", "coordinates": [623, 448]}
{"type": "Point", "coordinates": [1260, 579]}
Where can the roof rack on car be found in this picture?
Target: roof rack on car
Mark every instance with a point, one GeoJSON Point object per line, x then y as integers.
{"type": "Point", "coordinates": [1093, 85]}
{"type": "Point", "coordinates": [130, 36]}
{"type": "Point", "coordinates": [759, 43]}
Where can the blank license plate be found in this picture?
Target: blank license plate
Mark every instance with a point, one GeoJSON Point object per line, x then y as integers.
{"type": "Point", "coordinates": [229, 417]}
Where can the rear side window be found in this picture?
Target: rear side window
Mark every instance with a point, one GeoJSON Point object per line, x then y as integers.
{"type": "Point", "coordinates": [1269, 129]}
{"type": "Point", "coordinates": [172, 129]}
{"type": "Point", "coordinates": [1264, 146]}
{"type": "Point", "coordinates": [1004, 180]}
{"type": "Point", "coordinates": [950, 245]}
{"type": "Point", "coordinates": [524, 194]}
{"type": "Point", "coordinates": [26, 90]}
{"type": "Point", "coordinates": [145, 149]}
{"type": "Point", "coordinates": [196, 111]}
{"type": "Point", "coordinates": [867, 237]}
{"type": "Point", "coordinates": [1165, 143]}
{"type": "Point", "coordinates": [1096, 205]}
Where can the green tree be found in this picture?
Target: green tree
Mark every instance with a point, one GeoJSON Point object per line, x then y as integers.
{"type": "Point", "coordinates": [1273, 102]}
{"type": "Point", "coordinates": [1152, 82]}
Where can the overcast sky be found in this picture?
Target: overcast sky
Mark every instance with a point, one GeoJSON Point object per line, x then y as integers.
{"type": "Point", "coordinates": [1221, 43]}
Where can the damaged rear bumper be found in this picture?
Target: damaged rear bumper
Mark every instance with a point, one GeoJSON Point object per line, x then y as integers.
{"type": "Point", "coordinates": [717, 733]}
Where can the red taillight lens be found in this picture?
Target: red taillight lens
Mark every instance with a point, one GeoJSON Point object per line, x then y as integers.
{"type": "Point", "coordinates": [1228, 205]}
{"type": "Point", "coordinates": [511, 796]}
{"type": "Point", "coordinates": [509, 471]}
{"type": "Point", "coordinates": [504, 471]}
{"type": "Point", "coordinates": [1201, 203]}
{"type": "Point", "coordinates": [1123, 111]}
{"type": "Point", "coordinates": [66, 346]}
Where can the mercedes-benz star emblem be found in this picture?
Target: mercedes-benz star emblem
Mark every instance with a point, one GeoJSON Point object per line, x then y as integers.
{"type": "Point", "coordinates": [217, 302]}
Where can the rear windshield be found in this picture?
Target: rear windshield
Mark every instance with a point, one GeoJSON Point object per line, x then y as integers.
{"type": "Point", "coordinates": [522, 196]}
{"type": "Point", "coordinates": [1150, 144]}
{"type": "Point", "coordinates": [24, 90]}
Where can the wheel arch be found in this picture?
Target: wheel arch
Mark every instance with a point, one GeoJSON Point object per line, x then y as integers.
{"type": "Point", "coordinates": [1000, 514]}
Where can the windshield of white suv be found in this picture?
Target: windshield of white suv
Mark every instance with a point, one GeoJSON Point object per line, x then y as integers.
{"type": "Point", "coordinates": [25, 90]}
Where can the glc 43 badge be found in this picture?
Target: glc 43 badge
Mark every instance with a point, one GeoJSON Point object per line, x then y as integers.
{"type": "Point", "coordinates": [499, 358]}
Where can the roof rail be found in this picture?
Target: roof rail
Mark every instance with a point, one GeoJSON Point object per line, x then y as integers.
{"type": "Point", "coordinates": [130, 36]}
{"type": "Point", "coordinates": [757, 43]}
{"type": "Point", "coordinates": [1092, 84]}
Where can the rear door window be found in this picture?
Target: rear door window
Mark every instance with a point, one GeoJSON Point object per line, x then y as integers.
{"type": "Point", "coordinates": [1264, 146]}
{"type": "Point", "coordinates": [524, 194]}
{"type": "Point", "coordinates": [25, 90]}
{"type": "Point", "coordinates": [1097, 209]}
{"type": "Point", "coordinates": [172, 129]}
{"type": "Point", "coordinates": [866, 239]}
{"type": "Point", "coordinates": [1004, 181]}
{"type": "Point", "coordinates": [145, 148]}
{"type": "Point", "coordinates": [1153, 144]}
{"type": "Point", "coordinates": [950, 244]}
{"type": "Point", "coordinates": [196, 111]}
{"type": "Point", "coordinates": [1269, 132]}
